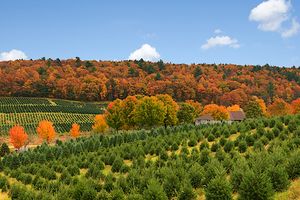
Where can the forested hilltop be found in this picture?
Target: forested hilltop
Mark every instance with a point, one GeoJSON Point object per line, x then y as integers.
{"type": "Point", "coordinates": [223, 84]}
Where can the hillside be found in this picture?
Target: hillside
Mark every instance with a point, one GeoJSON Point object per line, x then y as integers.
{"type": "Point", "coordinates": [181, 162]}
{"type": "Point", "coordinates": [223, 84]}
{"type": "Point", "coordinates": [28, 112]}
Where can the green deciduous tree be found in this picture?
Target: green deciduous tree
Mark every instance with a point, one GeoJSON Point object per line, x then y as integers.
{"type": "Point", "coordinates": [114, 114]}
{"type": "Point", "coordinates": [253, 110]}
{"type": "Point", "coordinates": [186, 113]}
{"type": "Point", "coordinates": [171, 109]}
{"type": "Point", "coordinates": [150, 112]}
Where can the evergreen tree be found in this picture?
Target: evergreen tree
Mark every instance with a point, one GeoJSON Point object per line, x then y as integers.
{"type": "Point", "coordinates": [218, 189]}
{"type": "Point", "coordinates": [154, 191]}
{"type": "Point", "coordinates": [256, 186]}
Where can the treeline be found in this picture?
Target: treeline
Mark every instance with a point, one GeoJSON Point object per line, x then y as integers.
{"type": "Point", "coordinates": [222, 84]}
{"type": "Point", "coordinates": [161, 110]}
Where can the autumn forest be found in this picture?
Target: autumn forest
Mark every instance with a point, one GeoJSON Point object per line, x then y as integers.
{"type": "Point", "coordinates": [75, 79]}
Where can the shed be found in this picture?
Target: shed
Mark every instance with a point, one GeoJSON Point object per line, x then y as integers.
{"type": "Point", "coordinates": [237, 115]}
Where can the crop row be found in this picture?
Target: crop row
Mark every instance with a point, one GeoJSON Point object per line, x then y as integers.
{"type": "Point", "coordinates": [23, 105]}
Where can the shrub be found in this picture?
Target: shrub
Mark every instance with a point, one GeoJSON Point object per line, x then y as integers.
{"type": "Point", "coordinates": [264, 140]}
{"type": "Point", "coordinates": [242, 146]}
{"type": "Point", "coordinates": [4, 184]}
{"type": "Point", "coordinates": [222, 141]}
{"type": "Point", "coordinates": [255, 186]}
{"type": "Point", "coordinates": [293, 165]}
{"type": "Point", "coordinates": [103, 195]}
{"type": "Point", "coordinates": [196, 174]}
{"type": "Point", "coordinates": [204, 157]}
{"type": "Point", "coordinates": [279, 178]}
{"type": "Point", "coordinates": [237, 173]}
{"type": "Point", "coordinates": [279, 125]}
{"type": "Point", "coordinates": [258, 145]}
{"type": "Point", "coordinates": [171, 184]}
{"type": "Point", "coordinates": [260, 131]}
{"type": "Point", "coordinates": [210, 138]}
{"type": "Point", "coordinates": [192, 142]}
{"type": "Point", "coordinates": [292, 126]}
{"type": "Point", "coordinates": [213, 169]}
{"type": "Point", "coordinates": [218, 189]}
{"type": "Point", "coordinates": [4, 149]}
{"type": "Point", "coordinates": [215, 147]}
{"type": "Point", "coordinates": [250, 140]}
{"type": "Point", "coordinates": [228, 146]}
{"type": "Point", "coordinates": [174, 147]}
{"type": "Point", "coordinates": [276, 132]}
{"type": "Point", "coordinates": [93, 172]}
{"type": "Point", "coordinates": [269, 135]}
{"type": "Point", "coordinates": [187, 193]}
{"type": "Point", "coordinates": [204, 145]}
{"type": "Point", "coordinates": [109, 183]}
{"type": "Point", "coordinates": [154, 191]}
{"type": "Point", "coordinates": [117, 194]}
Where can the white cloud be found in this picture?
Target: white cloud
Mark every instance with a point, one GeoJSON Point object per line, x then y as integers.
{"type": "Point", "coordinates": [218, 31]}
{"type": "Point", "coordinates": [292, 31]}
{"type": "Point", "coordinates": [271, 15]}
{"type": "Point", "coordinates": [220, 41]}
{"type": "Point", "coordinates": [12, 55]}
{"type": "Point", "coordinates": [147, 52]}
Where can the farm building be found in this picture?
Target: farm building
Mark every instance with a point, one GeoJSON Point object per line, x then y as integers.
{"type": "Point", "coordinates": [234, 116]}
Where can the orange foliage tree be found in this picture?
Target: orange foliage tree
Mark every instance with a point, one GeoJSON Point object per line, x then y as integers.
{"type": "Point", "coordinates": [100, 125]}
{"type": "Point", "coordinates": [295, 105]}
{"type": "Point", "coordinates": [75, 130]}
{"type": "Point", "coordinates": [279, 108]}
{"type": "Point", "coordinates": [46, 130]}
{"type": "Point", "coordinates": [18, 136]}
{"type": "Point", "coordinates": [234, 108]}
{"type": "Point", "coordinates": [217, 112]}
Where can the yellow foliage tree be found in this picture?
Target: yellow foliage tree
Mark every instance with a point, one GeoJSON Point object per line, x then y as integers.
{"type": "Point", "coordinates": [262, 104]}
{"type": "Point", "coordinates": [100, 125]}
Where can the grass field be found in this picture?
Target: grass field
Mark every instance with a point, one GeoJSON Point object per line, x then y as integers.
{"type": "Point", "coordinates": [28, 112]}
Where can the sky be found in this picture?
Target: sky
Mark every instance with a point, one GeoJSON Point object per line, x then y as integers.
{"type": "Point", "coordinates": [242, 32]}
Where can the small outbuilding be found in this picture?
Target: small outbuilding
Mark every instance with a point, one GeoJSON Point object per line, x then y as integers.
{"type": "Point", "coordinates": [234, 116]}
{"type": "Point", "coordinates": [206, 119]}
{"type": "Point", "coordinates": [237, 116]}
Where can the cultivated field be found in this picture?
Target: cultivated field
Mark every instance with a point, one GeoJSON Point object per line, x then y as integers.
{"type": "Point", "coordinates": [28, 112]}
{"type": "Point", "coordinates": [255, 159]}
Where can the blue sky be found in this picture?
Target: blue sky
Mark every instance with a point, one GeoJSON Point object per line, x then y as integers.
{"type": "Point", "coordinates": [240, 31]}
